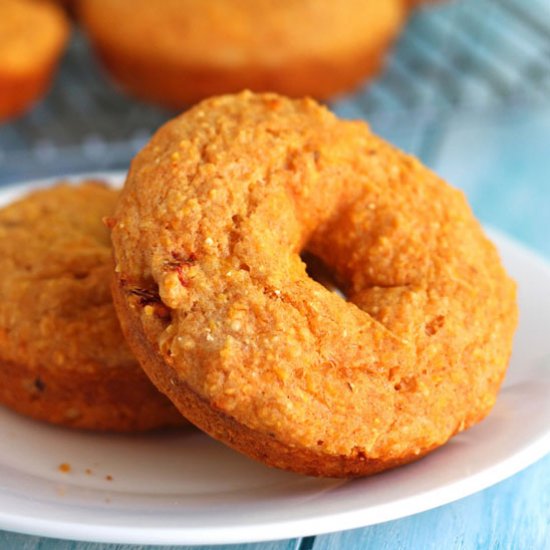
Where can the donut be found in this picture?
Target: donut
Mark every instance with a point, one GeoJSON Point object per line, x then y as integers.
{"type": "Point", "coordinates": [32, 37]}
{"type": "Point", "coordinates": [63, 358]}
{"type": "Point", "coordinates": [177, 52]}
{"type": "Point", "coordinates": [212, 221]}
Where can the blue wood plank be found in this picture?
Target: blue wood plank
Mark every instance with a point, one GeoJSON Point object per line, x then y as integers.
{"type": "Point", "coordinates": [513, 515]}
{"type": "Point", "coordinates": [502, 162]}
{"type": "Point", "coordinates": [15, 541]}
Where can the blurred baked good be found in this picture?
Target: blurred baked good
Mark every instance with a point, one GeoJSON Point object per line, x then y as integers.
{"type": "Point", "coordinates": [32, 36]}
{"type": "Point", "coordinates": [176, 52]}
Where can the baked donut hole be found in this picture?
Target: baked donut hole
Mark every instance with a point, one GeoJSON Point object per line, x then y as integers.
{"type": "Point", "coordinates": [319, 271]}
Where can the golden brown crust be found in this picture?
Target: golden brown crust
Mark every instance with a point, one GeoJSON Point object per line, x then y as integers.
{"type": "Point", "coordinates": [63, 358]}
{"type": "Point", "coordinates": [122, 400]}
{"type": "Point", "coordinates": [255, 444]}
{"type": "Point", "coordinates": [32, 36]}
{"type": "Point", "coordinates": [200, 48]}
{"type": "Point", "coordinates": [189, 84]}
{"type": "Point", "coordinates": [208, 230]}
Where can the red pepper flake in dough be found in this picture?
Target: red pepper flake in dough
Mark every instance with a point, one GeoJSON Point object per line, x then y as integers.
{"type": "Point", "coordinates": [178, 263]}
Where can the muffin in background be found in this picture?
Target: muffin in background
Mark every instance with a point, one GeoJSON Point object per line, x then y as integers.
{"type": "Point", "coordinates": [176, 52]}
{"type": "Point", "coordinates": [33, 34]}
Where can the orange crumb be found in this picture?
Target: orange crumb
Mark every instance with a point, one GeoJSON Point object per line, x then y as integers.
{"type": "Point", "coordinates": [64, 468]}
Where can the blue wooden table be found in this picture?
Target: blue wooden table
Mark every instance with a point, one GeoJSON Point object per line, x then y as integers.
{"type": "Point", "coordinates": [489, 136]}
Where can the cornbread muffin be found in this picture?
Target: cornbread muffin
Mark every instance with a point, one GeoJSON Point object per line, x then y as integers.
{"type": "Point", "coordinates": [32, 36]}
{"type": "Point", "coordinates": [210, 225]}
{"type": "Point", "coordinates": [179, 51]}
{"type": "Point", "coordinates": [63, 358]}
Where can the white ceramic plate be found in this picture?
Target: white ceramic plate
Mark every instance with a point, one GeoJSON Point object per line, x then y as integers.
{"type": "Point", "coordinates": [184, 488]}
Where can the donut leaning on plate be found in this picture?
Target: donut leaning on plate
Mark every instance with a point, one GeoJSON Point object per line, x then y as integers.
{"type": "Point", "coordinates": [63, 358]}
{"type": "Point", "coordinates": [32, 36]}
{"type": "Point", "coordinates": [179, 51]}
{"type": "Point", "coordinates": [214, 214]}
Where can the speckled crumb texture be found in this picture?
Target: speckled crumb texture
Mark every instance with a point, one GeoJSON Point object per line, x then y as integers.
{"type": "Point", "coordinates": [196, 48]}
{"type": "Point", "coordinates": [63, 358]}
{"type": "Point", "coordinates": [32, 36]}
{"type": "Point", "coordinates": [216, 302]}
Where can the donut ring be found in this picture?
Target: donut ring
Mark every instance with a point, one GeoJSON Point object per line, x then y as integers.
{"type": "Point", "coordinates": [197, 48]}
{"type": "Point", "coordinates": [212, 219]}
{"type": "Point", "coordinates": [63, 358]}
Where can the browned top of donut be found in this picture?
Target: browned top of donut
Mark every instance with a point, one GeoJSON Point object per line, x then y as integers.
{"type": "Point", "coordinates": [215, 212]}
{"type": "Point", "coordinates": [55, 257]}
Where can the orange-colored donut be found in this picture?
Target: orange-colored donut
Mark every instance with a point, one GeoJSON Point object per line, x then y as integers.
{"type": "Point", "coordinates": [63, 358]}
{"type": "Point", "coordinates": [213, 217]}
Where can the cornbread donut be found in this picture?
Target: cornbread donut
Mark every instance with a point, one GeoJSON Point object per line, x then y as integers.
{"type": "Point", "coordinates": [214, 214]}
{"type": "Point", "coordinates": [179, 51]}
{"type": "Point", "coordinates": [63, 358]}
{"type": "Point", "coordinates": [32, 36]}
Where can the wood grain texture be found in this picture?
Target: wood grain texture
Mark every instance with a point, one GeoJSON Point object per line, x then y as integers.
{"type": "Point", "coordinates": [15, 541]}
